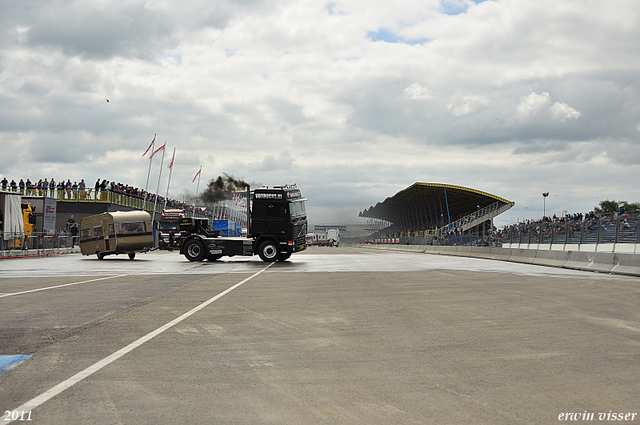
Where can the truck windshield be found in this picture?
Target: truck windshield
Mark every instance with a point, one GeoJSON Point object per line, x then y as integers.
{"type": "Point", "coordinates": [169, 225]}
{"type": "Point", "coordinates": [298, 209]}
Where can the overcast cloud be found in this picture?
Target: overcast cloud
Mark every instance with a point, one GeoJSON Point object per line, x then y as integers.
{"type": "Point", "coordinates": [351, 100]}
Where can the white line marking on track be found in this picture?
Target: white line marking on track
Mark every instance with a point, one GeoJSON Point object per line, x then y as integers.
{"type": "Point", "coordinates": [57, 389]}
{"type": "Point", "coordinates": [61, 286]}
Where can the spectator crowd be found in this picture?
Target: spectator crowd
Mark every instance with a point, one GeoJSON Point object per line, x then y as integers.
{"type": "Point", "coordinates": [78, 190]}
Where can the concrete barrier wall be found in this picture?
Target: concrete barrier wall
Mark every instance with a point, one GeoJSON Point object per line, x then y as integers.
{"type": "Point", "coordinates": [604, 260]}
{"type": "Point", "coordinates": [623, 248]}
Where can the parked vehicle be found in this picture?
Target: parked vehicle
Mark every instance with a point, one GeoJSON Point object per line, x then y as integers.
{"type": "Point", "coordinates": [17, 220]}
{"type": "Point", "coordinates": [329, 237]}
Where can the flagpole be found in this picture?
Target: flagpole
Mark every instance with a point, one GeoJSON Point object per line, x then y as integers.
{"type": "Point", "coordinates": [170, 172]}
{"type": "Point", "coordinates": [197, 187]}
{"type": "Point", "coordinates": [144, 204]}
{"type": "Point", "coordinates": [153, 216]}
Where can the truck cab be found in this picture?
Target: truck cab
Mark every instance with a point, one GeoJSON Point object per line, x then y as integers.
{"type": "Point", "coordinates": [280, 214]}
{"type": "Point", "coordinates": [169, 228]}
{"type": "Point", "coordinates": [277, 229]}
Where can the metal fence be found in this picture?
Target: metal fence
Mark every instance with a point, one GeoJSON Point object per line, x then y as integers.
{"type": "Point", "coordinates": [599, 230]}
{"type": "Point", "coordinates": [18, 244]}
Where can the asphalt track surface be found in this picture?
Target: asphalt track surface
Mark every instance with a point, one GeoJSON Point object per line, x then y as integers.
{"type": "Point", "coordinates": [332, 336]}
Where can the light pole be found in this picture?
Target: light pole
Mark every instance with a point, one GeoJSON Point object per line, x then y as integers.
{"type": "Point", "coordinates": [544, 210]}
{"type": "Point", "coordinates": [477, 223]}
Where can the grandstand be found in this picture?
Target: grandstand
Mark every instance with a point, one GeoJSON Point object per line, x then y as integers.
{"type": "Point", "coordinates": [434, 210]}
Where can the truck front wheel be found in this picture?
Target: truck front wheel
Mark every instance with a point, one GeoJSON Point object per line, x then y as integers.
{"type": "Point", "coordinates": [194, 251]}
{"type": "Point", "coordinates": [284, 257]}
{"type": "Point", "coordinates": [269, 251]}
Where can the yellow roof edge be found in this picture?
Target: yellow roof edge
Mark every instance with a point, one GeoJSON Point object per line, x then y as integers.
{"type": "Point", "coordinates": [453, 186]}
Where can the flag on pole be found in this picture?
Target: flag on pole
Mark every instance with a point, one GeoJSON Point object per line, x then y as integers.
{"type": "Point", "coordinates": [152, 142]}
{"type": "Point", "coordinates": [172, 158]}
{"type": "Point", "coordinates": [196, 176]}
{"type": "Point", "coordinates": [161, 148]}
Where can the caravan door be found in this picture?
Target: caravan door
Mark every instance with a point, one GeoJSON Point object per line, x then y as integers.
{"type": "Point", "coordinates": [105, 232]}
{"type": "Point", "coordinates": [109, 229]}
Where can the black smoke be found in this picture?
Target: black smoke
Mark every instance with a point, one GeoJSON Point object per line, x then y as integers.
{"type": "Point", "coordinates": [220, 188]}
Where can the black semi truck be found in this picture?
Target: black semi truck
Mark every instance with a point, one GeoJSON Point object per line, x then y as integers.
{"type": "Point", "coordinates": [277, 227]}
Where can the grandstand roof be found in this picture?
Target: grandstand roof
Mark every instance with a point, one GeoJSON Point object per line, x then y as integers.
{"type": "Point", "coordinates": [432, 203]}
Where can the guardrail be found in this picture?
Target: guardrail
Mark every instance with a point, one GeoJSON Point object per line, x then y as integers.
{"type": "Point", "coordinates": [14, 244]}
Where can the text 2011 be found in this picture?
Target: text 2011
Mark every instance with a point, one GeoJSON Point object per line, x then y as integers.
{"type": "Point", "coordinates": [17, 415]}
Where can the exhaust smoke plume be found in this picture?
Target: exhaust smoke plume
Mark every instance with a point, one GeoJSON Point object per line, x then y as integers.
{"type": "Point", "coordinates": [220, 188]}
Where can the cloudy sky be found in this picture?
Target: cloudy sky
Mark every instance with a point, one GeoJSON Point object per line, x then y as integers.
{"type": "Point", "coordinates": [352, 100]}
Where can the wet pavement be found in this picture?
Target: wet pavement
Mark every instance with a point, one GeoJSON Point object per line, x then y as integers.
{"type": "Point", "coordinates": [335, 335]}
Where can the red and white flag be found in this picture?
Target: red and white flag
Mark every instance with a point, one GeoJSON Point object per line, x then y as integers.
{"type": "Point", "coordinates": [172, 158]}
{"type": "Point", "coordinates": [197, 174]}
{"type": "Point", "coordinates": [161, 148]}
{"type": "Point", "coordinates": [152, 142]}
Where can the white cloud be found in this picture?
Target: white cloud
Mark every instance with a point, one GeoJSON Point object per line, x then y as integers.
{"type": "Point", "coordinates": [417, 92]}
{"type": "Point", "coordinates": [466, 104]}
{"type": "Point", "coordinates": [562, 111]}
{"type": "Point", "coordinates": [537, 103]}
{"type": "Point", "coordinates": [297, 92]}
{"type": "Point", "coordinates": [532, 104]}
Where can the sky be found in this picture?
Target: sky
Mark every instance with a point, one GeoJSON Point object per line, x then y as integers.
{"type": "Point", "coordinates": [352, 101]}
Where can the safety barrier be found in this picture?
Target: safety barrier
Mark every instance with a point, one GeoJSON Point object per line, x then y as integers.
{"type": "Point", "coordinates": [36, 244]}
{"type": "Point", "coordinates": [626, 263]}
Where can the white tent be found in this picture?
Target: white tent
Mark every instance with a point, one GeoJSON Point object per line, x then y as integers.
{"type": "Point", "coordinates": [13, 227]}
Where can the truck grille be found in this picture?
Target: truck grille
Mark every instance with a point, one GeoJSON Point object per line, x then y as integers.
{"type": "Point", "coordinates": [299, 230]}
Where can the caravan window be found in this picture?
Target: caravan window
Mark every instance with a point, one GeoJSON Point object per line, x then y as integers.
{"type": "Point", "coordinates": [85, 233]}
{"type": "Point", "coordinates": [132, 227]}
{"type": "Point", "coordinates": [97, 231]}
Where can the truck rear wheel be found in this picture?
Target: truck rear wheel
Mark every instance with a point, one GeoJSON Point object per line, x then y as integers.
{"type": "Point", "coordinates": [194, 250]}
{"type": "Point", "coordinates": [269, 251]}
